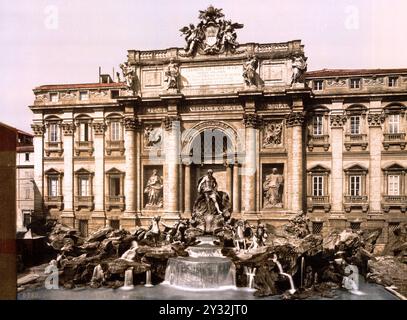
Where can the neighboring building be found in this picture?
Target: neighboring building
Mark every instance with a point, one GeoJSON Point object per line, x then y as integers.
{"type": "Point", "coordinates": [330, 142]}
{"type": "Point", "coordinates": [24, 177]}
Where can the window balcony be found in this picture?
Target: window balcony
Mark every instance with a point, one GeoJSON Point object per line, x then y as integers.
{"type": "Point", "coordinates": [318, 202]}
{"type": "Point", "coordinates": [355, 140]}
{"type": "Point", "coordinates": [390, 139]}
{"type": "Point", "coordinates": [115, 202]}
{"type": "Point", "coordinates": [53, 147]}
{"type": "Point", "coordinates": [390, 201]}
{"type": "Point", "coordinates": [54, 202]}
{"type": "Point", "coordinates": [83, 202]}
{"type": "Point", "coordinates": [356, 202]}
{"type": "Point", "coordinates": [318, 141]}
{"type": "Point", "coordinates": [112, 145]}
{"type": "Point", "coordinates": [84, 146]}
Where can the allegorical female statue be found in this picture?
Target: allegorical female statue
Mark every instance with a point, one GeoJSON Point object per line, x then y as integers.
{"type": "Point", "coordinates": [154, 190]}
{"type": "Point", "coordinates": [273, 190]}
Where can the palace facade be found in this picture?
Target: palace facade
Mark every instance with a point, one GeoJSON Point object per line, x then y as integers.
{"type": "Point", "coordinates": [280, 140]}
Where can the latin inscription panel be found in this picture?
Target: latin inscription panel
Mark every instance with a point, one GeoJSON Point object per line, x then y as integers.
{"type": "Point", "coordinates": [214, 75]}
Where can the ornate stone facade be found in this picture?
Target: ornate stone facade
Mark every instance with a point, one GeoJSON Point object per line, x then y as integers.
{"type": "Point", "coordinates": [181, 111]}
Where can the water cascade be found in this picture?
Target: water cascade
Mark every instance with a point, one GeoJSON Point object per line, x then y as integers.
{"type": "Point", "coordinates": [290, 278]}
{"type": "Point", "coordinates": [128, 279]}
{"type": "Point", "coordinates": [250, 273]}
{"type": "Point", "coordinates": [148, 279]}
{"type": "Point", "coordinates": [302, 272]}
{"type": "Point", "coordinates": [97, 276]}
{"type": "Point", "coordinates": [205, 268]}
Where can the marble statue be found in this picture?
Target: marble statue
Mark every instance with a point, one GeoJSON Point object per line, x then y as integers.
{"type": "Point", "coordinates": [273, 190]}
{"type": "Point", "coordinates": [209, 187]}
{"type": "Point", "coordinates": [129, 74]}
{"type": "Point", "coordinates": [249, 71]}
{"type": "Point", "coordinates": [172, 75]}
{"type": "Point", "coordinates": [154, 190]}
{"type": "Point", "coordinates": [212, 35]}
{"type": "Point", "coordinates": [299, 68]}
{"type": "Point", "coordinates": [152, 136]}
{"type": "Point", "coordinates": [272, 134]}
{"type": "Point", "coordinates": [154, 230]}
{"type": "Point", "coordinates": [211, 208]}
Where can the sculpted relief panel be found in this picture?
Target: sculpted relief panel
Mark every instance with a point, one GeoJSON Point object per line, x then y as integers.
{"type": "Point", "coordinates": [273, 134]}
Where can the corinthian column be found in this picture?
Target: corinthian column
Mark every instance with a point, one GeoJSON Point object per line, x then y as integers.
{"type": "Point", "coordinates": [68, 129]}
{"type": "Point", "coordinates": [251, 122]}
{"type": "Point", "coordinates": [130, 177]}
{"type": "Point", "coordinates": [38, 142]}
{"type": "Point", "coordinates": [295, 160]}
{"type": "Point", "coordinates": [236, 188]}
{"type": "Point", "coordinates": [171, 166]}
{"type": "Point", "coordinates": [187, 186]}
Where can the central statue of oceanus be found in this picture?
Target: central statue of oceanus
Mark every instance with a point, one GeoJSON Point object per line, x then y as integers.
{"type": "Point", "coordinates": [212, 207]}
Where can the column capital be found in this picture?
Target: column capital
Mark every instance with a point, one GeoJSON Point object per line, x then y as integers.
{"type": "Point", "coordinates": [39, 129]}
{"type": "Point", "coordinates": [131, 123]}
{"type": "Point", "coordinates": [68, 128]}
{"type": "Point", "coordinates": [252, 120]}
{"type": "Point", "coordinates": [337, 120]}
{"type": "Point", "coordinates": [375, 119]}
{"type": "Point", "coordinates": [169, 122]}
{"type": "Point", "coordinates": [99, 127]}
{"type": "Point", "coordinates": [295, 119]}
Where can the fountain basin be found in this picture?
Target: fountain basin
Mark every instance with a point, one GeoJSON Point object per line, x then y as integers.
{"type": "Point", "coordinates": [201, 273]}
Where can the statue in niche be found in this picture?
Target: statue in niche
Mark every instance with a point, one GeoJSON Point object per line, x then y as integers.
{"type": "Point", "coordinates": [172, 75]}
{"type": "Point", "coordinates": [129, 74]}
{"type": "Point", "coordinates": [211, 208]}
{"type": "Point", "coordinates": [272, 134]}
{"type": "Point", "coordinates": [299, 68]}
{"type": "Point", "coordinates": [249, 71]}
{"type": "Point", "coordinates": [273, 190]}
{"type": "Point", "coordinates": [154, 191]}
{"type": "Point", "coordinates": [152, 135]}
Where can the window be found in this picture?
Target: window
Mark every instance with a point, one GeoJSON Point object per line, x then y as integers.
{"type": "Point", "coordinates": [317, 84]}
{"type": "Point", "coordinates": [53, 132]}
{"type": "Point", "coordinates": [317, 227]}
{"type": "Point", "coordinates": [27, 156]}
{"type": "Point", "coordinates": [393, 185]}
{"type": "Point", "coordinates": [83, 228]}
{"type": "Point", "coordinates": [27, 193]}
{"type": "Point", "coordinates": [354, 125]}
{"type": "Point", "coordinates": [83, 95]}
{"type": "Point", "coordinates": [355, 226]}
{"type": "Point", "coordinates": [114, 94]}
{"type": "Point", "coordinates": [394, 123]}
{"type": "Point", "coordinates": [53, 97]}
{"type": "Point", "coordinates": [53, 186]}
{"type": "Point", "coordinates": [355, 185]}
{"type": "Point", "coordinates": [115, 131]}
{"type": "Point", "coordinates": [84, 132]}
{"type": "Point", "coordinates": [317, 185]}
{"type": "Point", "coordinates": [355, 83]}
{"type": "Point", "coordinates": [83, 186]}
{"type": "Point", "coordinates": [26, 218]}
{"type": "Point", "coordinates": [392, 81]}
{"type": "Point", "coordinates": [318, 125]}
{"type": "Point", "coordinates": [115, 186]}
{"type": "Point", "coordinates": [115, 224]}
